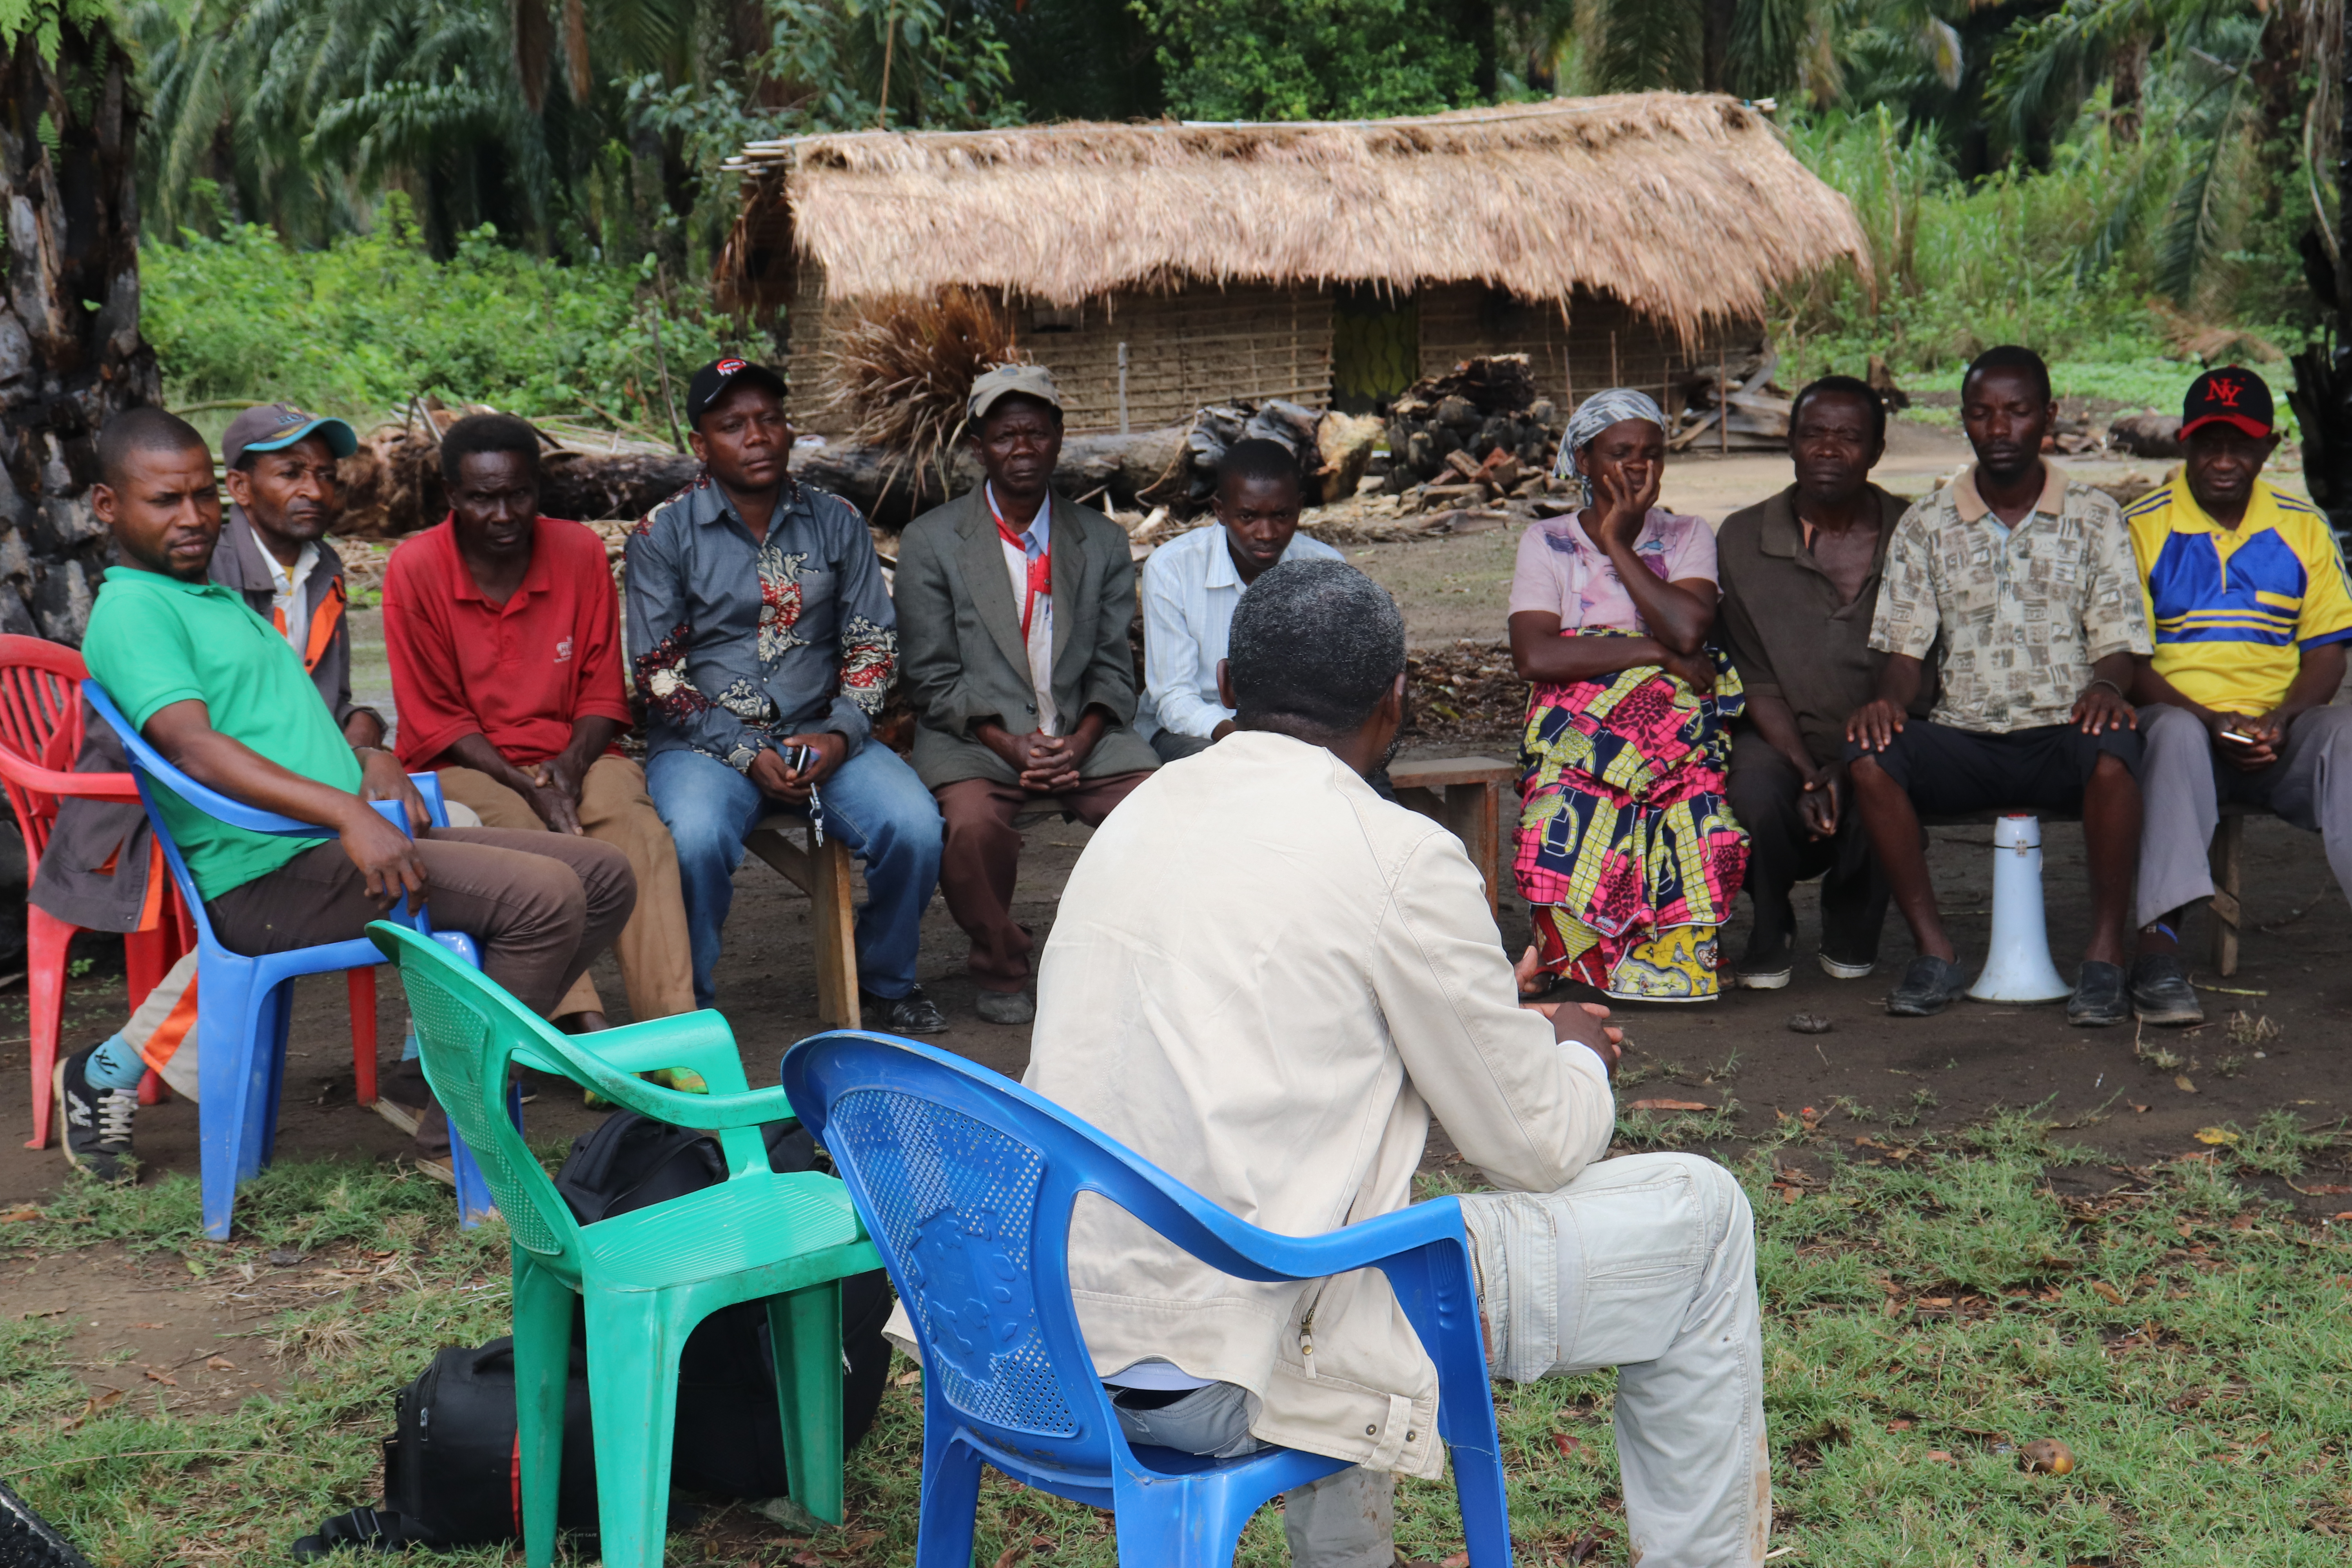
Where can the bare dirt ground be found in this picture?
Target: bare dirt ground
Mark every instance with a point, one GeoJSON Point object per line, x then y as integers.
{"type": "Point", "coordinates": [1870, 1076]}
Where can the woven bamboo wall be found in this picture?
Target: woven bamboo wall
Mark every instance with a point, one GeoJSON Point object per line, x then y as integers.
{"type": "Point", "coordinates": [1575, 357]}
{"type": "Point", "coordinates": [1204, 344]}
{"type": "Point", "coordinates": [1200, 346]}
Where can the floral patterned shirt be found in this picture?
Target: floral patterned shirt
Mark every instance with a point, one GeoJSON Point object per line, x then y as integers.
{"type": "Point", "coordinates": [735, 644]}
{"type": "Point", "coordinates": [2021, 613]}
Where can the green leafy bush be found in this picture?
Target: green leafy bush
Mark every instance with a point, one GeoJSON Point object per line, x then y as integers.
{"type": "Point", "coordinates": [374, 320]}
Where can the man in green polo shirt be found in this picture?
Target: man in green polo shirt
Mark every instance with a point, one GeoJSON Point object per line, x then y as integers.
{"type": "Point", "coordinates": [223, 697]}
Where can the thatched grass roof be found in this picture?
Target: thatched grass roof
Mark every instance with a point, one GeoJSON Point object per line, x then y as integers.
{"type": "Point", "coordinates": [1687, 207]}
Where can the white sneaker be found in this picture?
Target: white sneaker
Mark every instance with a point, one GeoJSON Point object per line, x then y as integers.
{"type": "Point", "coordinates": [1751, 980]}
{"type": "Point", "coordinates": [1836, 970]}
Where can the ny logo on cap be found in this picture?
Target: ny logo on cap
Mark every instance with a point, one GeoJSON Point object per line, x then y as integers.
{"type": "Point", "coordinates": [2225, 392]}
{"type": "Point", "coordinates": [730, 367]}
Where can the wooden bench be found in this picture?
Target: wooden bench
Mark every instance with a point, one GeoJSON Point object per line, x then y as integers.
{"type": "Point", "coordinates": [2227, 856]}
{"type": "Point", "coordinates": [822, 871]}
{"type": "Point", "coordinates": [1466, 793]}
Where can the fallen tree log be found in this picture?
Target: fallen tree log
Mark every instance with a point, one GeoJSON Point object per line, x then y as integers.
{"type": "Point", "coordinates": [392, 485]}
{"type": "Point", "coordinates": [1101, 470]}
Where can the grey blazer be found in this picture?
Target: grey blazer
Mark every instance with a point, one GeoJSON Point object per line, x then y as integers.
{"type": "Point", "coordinates": [960, 649]}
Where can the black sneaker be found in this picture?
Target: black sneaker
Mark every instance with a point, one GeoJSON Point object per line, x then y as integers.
{"type": "Point", "coordinates": [913, 1013]}
{"type": "Point", "coordinates": [1928, 987]}
{"type": "Point", "coordinates": [2099, 998]}
{"type": "Point", "coordinates": [2160, 992]}
{"type": "Point", "coordinates": [96, 1121]}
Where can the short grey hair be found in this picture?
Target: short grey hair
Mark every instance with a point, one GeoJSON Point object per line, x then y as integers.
{"type": "Point", "coordinates": [1315, 647]}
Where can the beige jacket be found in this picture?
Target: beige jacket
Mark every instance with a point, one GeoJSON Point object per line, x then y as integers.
{"type": "Point", "coordinates": [1265, 978]}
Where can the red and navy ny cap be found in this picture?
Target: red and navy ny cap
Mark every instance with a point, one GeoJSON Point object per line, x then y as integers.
{"type": "Point", "coordinates": [2233, 395]}
{"type": "Point", "coordinates": [712, 382]}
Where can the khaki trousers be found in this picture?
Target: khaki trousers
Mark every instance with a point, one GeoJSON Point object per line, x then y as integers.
{"type": "Point", "coordinates": [1646, 1262]}
{"type": "Point", "coordinates": [656, 964]}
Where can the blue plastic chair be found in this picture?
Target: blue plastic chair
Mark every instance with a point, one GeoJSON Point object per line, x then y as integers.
{"type": "Point", "coordinates": [966, 1180]}
{"type": "Point", "coordinates": [243, 1006]}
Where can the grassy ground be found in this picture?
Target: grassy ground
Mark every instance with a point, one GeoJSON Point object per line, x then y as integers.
{"type": "Point", "coordinates": [1931, 1307]}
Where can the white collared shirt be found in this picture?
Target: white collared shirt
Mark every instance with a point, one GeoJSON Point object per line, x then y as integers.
{"type": "Point", "coordinates": [1190, 588]}
{"type": "Point", "coordinates": [286, 595]}
{"type": "Point", "coordinates": [1040, 619]}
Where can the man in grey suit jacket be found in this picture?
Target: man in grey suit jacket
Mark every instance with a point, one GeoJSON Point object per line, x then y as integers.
{"type": "Point", "coordinates": [1014, 606]}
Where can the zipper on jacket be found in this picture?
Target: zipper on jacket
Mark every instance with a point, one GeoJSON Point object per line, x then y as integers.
{"type": "Point", "coordinates": [1306, 1334]}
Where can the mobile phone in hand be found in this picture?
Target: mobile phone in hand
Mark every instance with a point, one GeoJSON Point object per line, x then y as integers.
{"type": "Point", "coordinates": [2242, 739]}
{"type": "Point", "coordinates": [799, 759]}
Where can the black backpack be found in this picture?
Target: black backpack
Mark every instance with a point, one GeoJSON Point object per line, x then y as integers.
{"type": "Point", "coordinates": [29, 1541]}
{"type": "Point", "coordinates": [451, 1469]}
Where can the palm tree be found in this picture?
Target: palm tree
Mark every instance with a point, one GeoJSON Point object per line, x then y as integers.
{"type": "Point", "coordinates": [70, 353]}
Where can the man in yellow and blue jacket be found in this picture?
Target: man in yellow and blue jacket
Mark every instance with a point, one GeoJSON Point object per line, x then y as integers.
{"type": "Point", "coordinates": [2247, 599]}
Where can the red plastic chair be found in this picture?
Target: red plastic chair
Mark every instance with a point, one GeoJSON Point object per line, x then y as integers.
{"type": "Point", "coordinates": [40, 736]}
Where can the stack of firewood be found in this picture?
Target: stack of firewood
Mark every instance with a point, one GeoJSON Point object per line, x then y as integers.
{"type": "Point", "coordinates": [1477, 433]}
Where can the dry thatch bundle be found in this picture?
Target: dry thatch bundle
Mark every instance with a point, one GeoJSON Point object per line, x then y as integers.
{"type": "Point", "coordinates": [1686, 206]}
{"type": "Point", "coordinates": [903, 369]}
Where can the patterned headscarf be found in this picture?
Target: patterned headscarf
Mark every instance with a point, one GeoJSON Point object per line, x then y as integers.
{"type": "Point", "coordinates": [1596, 413]}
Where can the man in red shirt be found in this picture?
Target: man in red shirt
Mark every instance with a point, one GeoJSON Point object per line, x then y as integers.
{"type": "Point", "coordinates": [502, 629]}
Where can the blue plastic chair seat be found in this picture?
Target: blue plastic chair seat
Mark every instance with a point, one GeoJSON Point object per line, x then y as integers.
{"type": "Point", "coordinates": [966, 1181]}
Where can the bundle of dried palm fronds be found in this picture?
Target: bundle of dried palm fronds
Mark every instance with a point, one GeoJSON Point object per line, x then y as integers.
{"type": "Point", "coordinates": [903, 370]}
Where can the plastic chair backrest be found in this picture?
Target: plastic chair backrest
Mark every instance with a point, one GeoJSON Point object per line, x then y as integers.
{"type": "Point", "coordinates": [148, 765]}
{"type": "Point", "coordinates": [967, 1180]}
{"type": "Point", "coordinates": [471, 1029]}
{"type": "Point", "coordinates": [40, 724]}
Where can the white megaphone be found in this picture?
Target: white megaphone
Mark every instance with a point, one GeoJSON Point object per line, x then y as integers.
{"type": "Point", "coordinates": [2018, 967]}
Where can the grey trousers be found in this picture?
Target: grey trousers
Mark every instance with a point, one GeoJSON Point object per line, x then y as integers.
{"type": "Point", "coordinates": [2182, 785]}
{"type": "Point", "coordinates": [1646, 1262]}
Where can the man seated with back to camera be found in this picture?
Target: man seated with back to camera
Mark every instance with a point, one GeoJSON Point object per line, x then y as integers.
{"type": "Point", "coordinates": [1276, 1024]}
{"type": "Point", "coordinates": [1192, 583]}
{"type": "Point", "coordinates": [221, 695]}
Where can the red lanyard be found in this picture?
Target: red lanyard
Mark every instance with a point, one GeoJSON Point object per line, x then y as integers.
{"type": "Point", "coordinates": [1041, 565]}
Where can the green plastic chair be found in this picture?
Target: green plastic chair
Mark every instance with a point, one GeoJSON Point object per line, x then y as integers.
{"type": "Point", "coordinates": [649, 1277]}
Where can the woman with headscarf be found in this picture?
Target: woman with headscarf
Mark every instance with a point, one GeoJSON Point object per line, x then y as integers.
{"type": "Point", "coordinates": [1627, 852]}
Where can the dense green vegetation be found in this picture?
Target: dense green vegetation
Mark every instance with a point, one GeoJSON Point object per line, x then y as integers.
{"type": "Point", "coordinates": [1931, 1306]}
{"type": "Point", "coordinates": [373, 320]}
{"type": "Point", "coordinates": [2118, 181]}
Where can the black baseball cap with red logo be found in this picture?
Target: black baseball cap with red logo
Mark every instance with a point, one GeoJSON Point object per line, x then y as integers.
{"type": "Point", "coordinates": [715, 380]}
{"type": "Point", "coordinates": [2231, 395]}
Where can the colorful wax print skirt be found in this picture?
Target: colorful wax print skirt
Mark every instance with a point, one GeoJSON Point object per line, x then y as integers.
{"type": "Point", "coordinates": [1627, 849]}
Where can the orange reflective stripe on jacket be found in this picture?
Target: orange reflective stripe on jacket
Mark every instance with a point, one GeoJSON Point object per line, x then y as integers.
{"type": "Point", "coordinates": [323, 622]}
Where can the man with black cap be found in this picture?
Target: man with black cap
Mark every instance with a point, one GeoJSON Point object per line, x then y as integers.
{"type": "Point", "coordinates": [1016, 605]}
{"type": "Point", "coordinates": [2247, 599]}
{"type": "Point", "coordinates": [763, 640]}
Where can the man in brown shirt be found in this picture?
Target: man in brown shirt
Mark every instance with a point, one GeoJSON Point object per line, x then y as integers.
{"type": "Point", "coordinates": [1800, 575]}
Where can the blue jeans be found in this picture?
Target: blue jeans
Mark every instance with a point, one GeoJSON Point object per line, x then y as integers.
{"type": "Point", "coordinates": [873, 802]}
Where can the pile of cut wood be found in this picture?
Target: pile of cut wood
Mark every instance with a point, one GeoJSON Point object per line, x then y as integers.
{"type": "Point", "coordinates": [1475, 435]}
{"type": "Point", "coordinates": [1332, 449]}
{"type": "Point", "coordinates": [1757, 416]}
